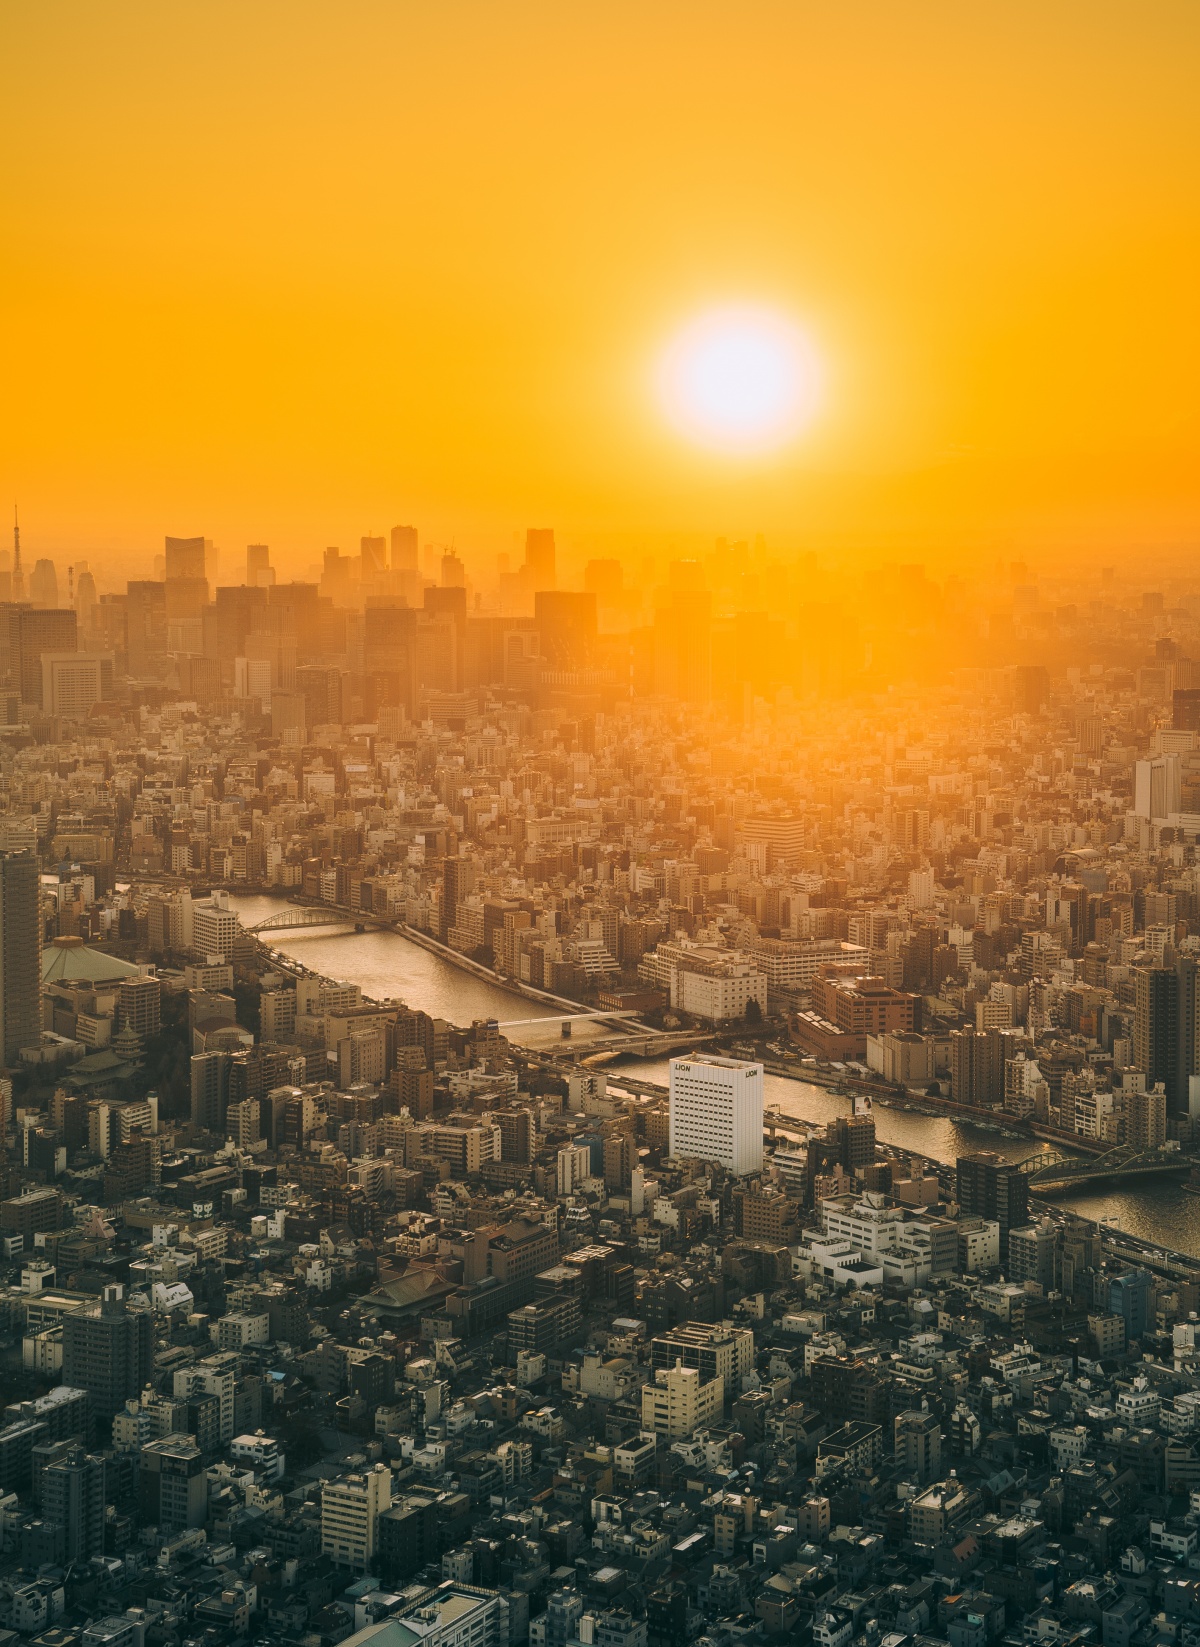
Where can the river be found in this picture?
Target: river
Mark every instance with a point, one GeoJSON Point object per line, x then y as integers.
{"type": "Point", "coordinates": [388, 964]}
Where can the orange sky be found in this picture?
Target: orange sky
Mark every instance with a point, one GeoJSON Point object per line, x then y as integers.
{"type": "Point", "coordinates": [294, 271]}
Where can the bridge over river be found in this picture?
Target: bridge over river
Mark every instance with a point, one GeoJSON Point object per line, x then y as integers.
{"type": "Point", "coordinates": [1052, 1170]}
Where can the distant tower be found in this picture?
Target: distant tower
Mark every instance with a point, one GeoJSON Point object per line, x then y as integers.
{"type": "Point", "coordinates": [404, 548]}
{"type": "Point", "coordinates": [18, 577]}
{"type": "Point", "coordinates": [43, 585]}
{"type": "Point", "coordinates": [20, 955]}
{"type": "Point", "coordinates": [539, 556]}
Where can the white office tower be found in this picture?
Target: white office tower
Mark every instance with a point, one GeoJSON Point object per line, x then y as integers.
{"type": "Point", "coordinates": [1156, 787]}
{"type": "Point", "coordinates": [717, 1111]}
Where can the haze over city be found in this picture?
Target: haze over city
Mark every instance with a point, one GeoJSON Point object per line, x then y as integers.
{"type": "Point", "coordinates": [600, 825]}
{"type": "Point", "coordinates": [278, 275]}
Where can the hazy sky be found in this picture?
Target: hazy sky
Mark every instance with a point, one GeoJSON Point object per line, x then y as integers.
{"type": "Point", "coordinates": [295, 271]}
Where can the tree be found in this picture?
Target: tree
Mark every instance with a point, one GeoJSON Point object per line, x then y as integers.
{"type": "Point", "coordinates": [753, 1011]}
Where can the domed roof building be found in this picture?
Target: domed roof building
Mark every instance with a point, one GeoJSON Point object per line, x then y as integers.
{"type": "Point", "coordinates": [71, 961]}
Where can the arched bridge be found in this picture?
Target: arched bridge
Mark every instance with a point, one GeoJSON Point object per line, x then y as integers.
{"type": "Point", "coordinates": [1049, 1168]}
{"type": "Point", "coordinates": [290, 919]}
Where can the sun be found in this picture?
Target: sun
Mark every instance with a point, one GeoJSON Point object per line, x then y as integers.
{"type": "Point", "coordinates": [740, 379]}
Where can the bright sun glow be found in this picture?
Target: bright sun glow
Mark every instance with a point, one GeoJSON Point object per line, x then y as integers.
{"type": "Point", "coordinates": [740, 378]}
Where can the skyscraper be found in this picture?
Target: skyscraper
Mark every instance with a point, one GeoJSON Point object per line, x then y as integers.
{"type": "Point", "coordinates": [1156, 787]}
{"type": "Point", "coordinates": [717, 1111]}
{"type": "Point", "coordinates": [456, 877]}
{"type": "Point", "coordinates": [1156, 1030]}
{"type": "Point", "coordinates": [539, 557]}
{"type": "Point", "coordinates": [372, 552]}
{"type": "Point", "coordinates": [185, 558]}
{"type": "Point", "coordinates": [108, 1351]}
{"type": "Point", "coordinates": [992, 1188]}
{"type": "Point", "coordinates": [566, 624]}
{"type": "Point", "coordinates": [20, 954]}
{"type": "Point", "coordinates": [26, 634]}
{"type": "Point", "coordinates": [186, 593]}
{"type": "Point", "coordinates": [210, 1090]}
{"type": "Point", "coordinates": [404, 549]}
{"type": "Point", "coordinates": [43, 584]}
{"type": "Point", "coordinates": [258, 565]}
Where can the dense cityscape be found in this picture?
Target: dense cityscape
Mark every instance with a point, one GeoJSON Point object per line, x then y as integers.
{"type": "Point", "coordinates": [331, 1317]}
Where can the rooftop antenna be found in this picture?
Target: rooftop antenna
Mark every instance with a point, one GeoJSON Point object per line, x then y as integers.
{"type": "Point", "coordinates": [18, 577]}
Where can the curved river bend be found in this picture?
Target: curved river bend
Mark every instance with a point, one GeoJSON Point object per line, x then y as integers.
{"type": "Point", "coordinates": [387, 964]}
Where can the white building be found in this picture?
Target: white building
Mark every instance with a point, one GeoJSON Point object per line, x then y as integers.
{"type": "Point", "coordinates": [1156, 787]}
{"type": "Point", "coordinates": [73, 681]}
{"type": "Point", "coordinates": [260, 1451]}
{"type": "Point", "coordinates": [216, 926]}
{"type": "Point", "coordinates": [215, 1375]}
{"type": "Point", "coordinates": [574, 1165]}
{"type": "Point", "coordinates": [350, 1511]}
{"type": "Point", "coordinates": [455, 1616]}
{"type": "Point", "coordinates": [717, 1111]}
{"type": "Point", "coordinates": [871, 1223]}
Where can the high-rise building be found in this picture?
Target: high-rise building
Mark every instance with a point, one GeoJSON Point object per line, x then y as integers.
{"type": "Point", "coordinates": [457, 880]}
{"type": "Point", "coordinates": [350, 1511]}
{"type": "Point", "coordinates": [185, 558]}
{"type": "Point", "coordinates": [27, 634]}
{"type": "Point", "coordinates": [43, 584]}
{"type": "Point", "coordinates": [918, 1444]}
{"type": "Point", "coordinates": [145, 624]}
{"type": "Point", "coordinates": [408, 1536]}
{"type": "Point", "coordinates": [679, 1401]}
{"type": "Point", "coordinates": [854, 1137]}
{"type": "Point", "coordinates": [539, 557]}
{"type": "Point", "coordinates": [404, 549]}
{"type": "Point", "coordinates": [373, 554]}
{"type": "Point", "coordinates": [139, 1005]}
{"type": "Point", "coordinates": [1156, 1030]}
{"type": "Point", "coordinates": [989, 1187]}
{"type": "Point", "coordinates": [210, 1090]}
{"type": "Point", "coordinates": [716, 1111]}
{"type": "Point", "coordinates": [242, 1123]}
{"type": "Point", "coordinates": [574, 1166]}
{"type": "Point", "coordinates": [215, 1375]}
{"type": "Point", "coordinates": [73, 1500]}
{"type": "Point", "coordinates": [322, 692]}
{"type": "Point", "coordinates": [20, 954]}
{"type": "Point", "coordinates": [258, 566]}
{"type": "Point", "coordinates": [174, 1485]}
{"type": "Point", "coordinates": [1146, 1117]}
{"type": "Point", "coordinates": [620, 1158]}
{"type": "Point", "coordinates": [566, 625]}
{"type": "Point", "coordinates": [216, 926]}
{"type": "Point", "coordinates": [73, 682]}
{"type": "Point", "coordinates": [977, 1067]}
{"type": "Point", "coordinates": [108, 1351]}
{"type": "Point", "coordinates": [445, 607]}
{"type": "Point", "coordinates": [1185, 707]}
{"type": "Point", "coordinates": [683, 647]}
{"type": "Point", "coordinates": [1129, 1297]}
{"type": "Point", "coordinates": [1156, 787]}
{"type": "Point", "coordinates": [1031, 1254]}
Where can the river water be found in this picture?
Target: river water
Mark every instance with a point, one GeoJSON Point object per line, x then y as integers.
{"type": "Point", "coordinates": [386, 964]}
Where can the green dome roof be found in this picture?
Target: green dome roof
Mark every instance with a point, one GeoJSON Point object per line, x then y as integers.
{"type": "Point", "coordinates": [70, 960]}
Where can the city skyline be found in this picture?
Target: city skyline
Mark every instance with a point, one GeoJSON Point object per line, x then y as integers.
{"type": "Point", "coordinates": [445, 296]}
